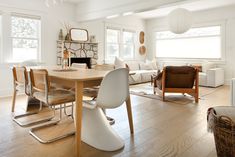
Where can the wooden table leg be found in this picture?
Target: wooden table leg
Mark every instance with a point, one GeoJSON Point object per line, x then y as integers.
{"type": "Point", "coordinates": [78, 116]}
{"type": "Point", "coordinates": [129, 112]}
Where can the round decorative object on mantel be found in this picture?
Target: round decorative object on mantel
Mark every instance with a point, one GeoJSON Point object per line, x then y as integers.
{"type": "Point", "coordinates": [141, 37]}
{"type": "Point", "coordinates": [142, 50]}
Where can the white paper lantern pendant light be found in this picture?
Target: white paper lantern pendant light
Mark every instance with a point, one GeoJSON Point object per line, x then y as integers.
{"type": "Point", "coordinates": [180, 20]}
{"type": "Point", "coordinates": [48, 3]}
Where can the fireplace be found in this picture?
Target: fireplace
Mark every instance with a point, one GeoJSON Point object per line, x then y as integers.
{"type": "Point", "coordinates": [86, 60]}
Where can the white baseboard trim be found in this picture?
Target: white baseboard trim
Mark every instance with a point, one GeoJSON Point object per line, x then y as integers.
{"type": "Point", "coordinates": [228, 82]}
{"type": "Point", "coordinates": [6, 92]}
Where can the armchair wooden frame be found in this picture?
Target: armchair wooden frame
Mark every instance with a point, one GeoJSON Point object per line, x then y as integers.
{"type": "Point", "coordinates": [191, 91]}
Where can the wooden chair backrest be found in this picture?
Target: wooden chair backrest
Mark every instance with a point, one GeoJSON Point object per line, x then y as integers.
{"type": "Point", "coordinates": [39, 80]}
{"type": "Point", "coordinates": [20, 75]}
{"type": "Point", "coordinates": [20, 78]}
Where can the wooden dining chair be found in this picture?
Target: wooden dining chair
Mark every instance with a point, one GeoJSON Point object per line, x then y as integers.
{"type": "Point", "coordinates": [89, 91]}
{"type": "Point", "coordinates": [41, 90]}
{"type": "Point", "coordinates": [110, 95]}
{"type": "Point", "coordinates": [22, 85]}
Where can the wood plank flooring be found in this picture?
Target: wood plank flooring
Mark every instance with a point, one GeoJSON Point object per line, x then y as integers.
{"type": "Point", "coordinates": [162, 129]}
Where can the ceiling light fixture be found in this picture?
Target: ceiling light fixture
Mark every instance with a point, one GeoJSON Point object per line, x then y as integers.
{"type": "Point", "coordinates": [48, 3]}
{"type": "Point", "coordinates": [112, 16]}
{"type": "Point", "coordinates": [180, 20]}
{"type": "Point", "coordinates": [128, 13]}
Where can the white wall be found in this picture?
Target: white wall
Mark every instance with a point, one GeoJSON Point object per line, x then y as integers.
{"type": "Point", "coordinates": [223, 15]}
{"type": "Point", "coordinates": [97, 28]}
{"type": "Point", "coordinates": [51, 19]}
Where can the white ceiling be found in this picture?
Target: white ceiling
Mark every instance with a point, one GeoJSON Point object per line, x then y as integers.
{"type": "Point", "coordinates": [74, 1]}
{"type": "Point", "coordinates": [192, 6]}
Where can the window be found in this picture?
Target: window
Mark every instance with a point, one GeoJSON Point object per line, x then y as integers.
{"type": "Point", "coordinates": [128, 45]}
{"type": "Point", "coordinates": [203, 42]}
{"type": "Point", "coordinates": [120, 43]}
{"type": "Point", "coordinates": [1, 40]}
{"type": "Point", "coordinates": [25, 38]}
{"type": "Point", "coordinates": [112, 44]}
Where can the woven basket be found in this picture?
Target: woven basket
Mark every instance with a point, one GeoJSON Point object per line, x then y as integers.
{"type": "Point", "coordinates": [224, 135]}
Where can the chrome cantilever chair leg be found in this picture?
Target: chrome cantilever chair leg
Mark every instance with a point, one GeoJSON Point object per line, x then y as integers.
{"type": "Point", "coordinates": [16, 118]}
{"type": "Point", "coordinates": [32, 130]}
{"type": "Point", "coordinates": [72, 110]}
{"type": "Point", "coordinates": [65, 112]}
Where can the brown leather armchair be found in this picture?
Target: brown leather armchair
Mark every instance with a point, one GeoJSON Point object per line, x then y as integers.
{"type": "Point", "coordinates": [177, 79]}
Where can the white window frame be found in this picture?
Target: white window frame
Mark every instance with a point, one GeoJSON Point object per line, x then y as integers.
{"type": "Point", "coordinates": [120, 43]}
{"type": "Point", "coordinates": [1, 38]}
{"type": "Point", "coordinates": [222, 25]}
{"type": "Point", "coordinates": [38, 39]}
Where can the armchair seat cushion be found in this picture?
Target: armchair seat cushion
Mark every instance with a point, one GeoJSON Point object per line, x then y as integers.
{"type": "Point", "coordinates": [133, 65]}
{"type": "Point", "coordinates": [146, 75]}
{"type": "Point", "coordinates": [140, 72]}
{"type": "Point", "coordinates": [135, 78]}
{"type": "Point", "coordinates": [140, 76]}
{"type": "Point", "coordinates": [89, 104]}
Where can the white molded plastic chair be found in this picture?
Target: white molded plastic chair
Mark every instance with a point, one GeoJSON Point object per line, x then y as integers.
{"type": "Point", "coordinates": [80, 65]}
{"type": "Point", "coordinates": [113, 92]}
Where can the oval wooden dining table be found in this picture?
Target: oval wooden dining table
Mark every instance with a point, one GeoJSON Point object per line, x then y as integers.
{"type": "Point", "coordinates": [79, 79]}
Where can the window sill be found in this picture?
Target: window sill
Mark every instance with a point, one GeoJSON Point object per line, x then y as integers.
{"type": "Point", "coordinates": [191, 60]}
{"type": "Point", "coordinates": [10, 64]}
{"type": "Point", "coordinates": [6, 65]}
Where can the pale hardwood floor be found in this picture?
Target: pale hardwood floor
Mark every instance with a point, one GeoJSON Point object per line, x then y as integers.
{"type": "Point", "coordinates": [163, 129]}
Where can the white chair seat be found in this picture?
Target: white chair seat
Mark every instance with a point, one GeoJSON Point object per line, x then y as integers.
{"type": "Point", "coordinates": [90, 104]}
